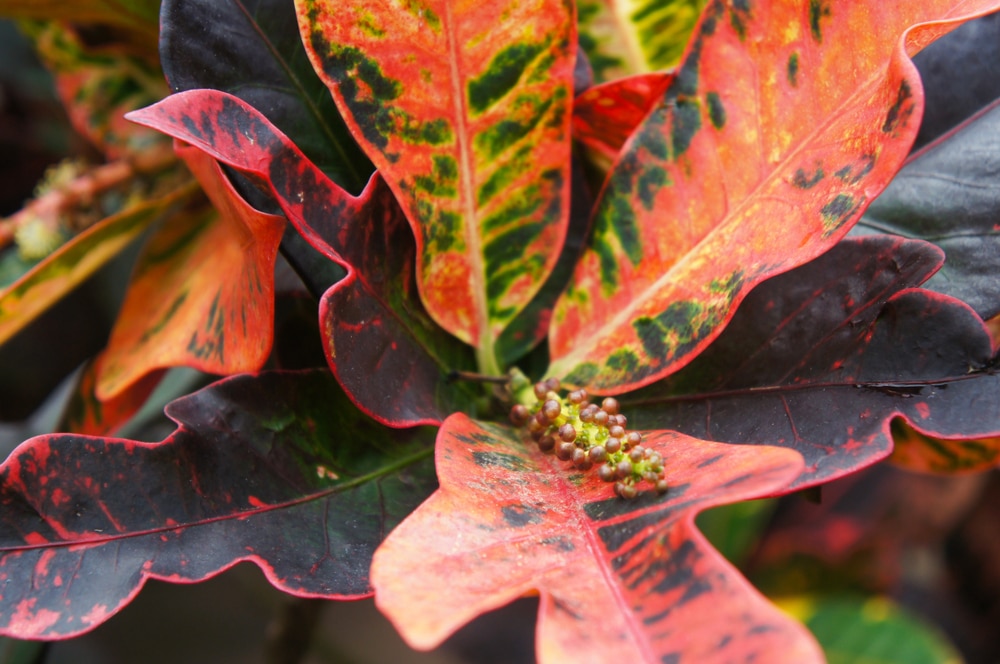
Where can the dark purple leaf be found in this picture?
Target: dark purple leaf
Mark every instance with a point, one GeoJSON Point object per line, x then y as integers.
{"type": "Point", "coordinates": [274, 468]}
{"type": "Point", "coordinates": [822, 358]}
{"type": "Point", "coordinates": [252, 49]}
{"type": "Point", "coordinates": [949, 194]}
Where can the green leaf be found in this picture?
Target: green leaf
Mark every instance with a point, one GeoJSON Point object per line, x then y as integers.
{"type": "Point", "coordinates": [870, 630]}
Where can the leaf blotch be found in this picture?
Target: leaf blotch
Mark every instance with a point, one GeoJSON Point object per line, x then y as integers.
{"type": "Point", "coordinates": [501, 76]}
{"type": "Point", "coordinates": [838, 211]}
{"type": "Point", "coordinates": [793, 70]}
{"type": "Point", "coordinates": [687, 122]}
{"type": "Point", "coordinates": [716, 111]}
{"type": "Point", "coordinates": [518, 516]}
{"type": "Point", "coordinates": [818, 10]}
{"type": "Point", "coordinates": [803, 180]}
{"type": "Point", "coordinates": [500, 460]}
{"type": "Point", "coordinates": [900, 111]}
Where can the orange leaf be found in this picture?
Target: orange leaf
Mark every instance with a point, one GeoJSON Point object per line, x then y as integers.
{"type": "Point", "coordinates": [203, 293]}
{"type": "Point", "coordinates": [619, 580]}
{"type": "Point", "coordinates": [783, 122]}
{"type": "Point", "coordinates": [465, 110]}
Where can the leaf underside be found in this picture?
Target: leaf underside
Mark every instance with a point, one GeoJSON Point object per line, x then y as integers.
{"type": "Point", "coordinates": [619, 580]}
{"type": "Point", "coordinates": [274, 468]}
{"type": "Point", "coordinates": [777, 131]}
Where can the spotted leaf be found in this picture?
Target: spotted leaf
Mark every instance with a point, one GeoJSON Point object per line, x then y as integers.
{"type": "Point", "coordinates": [824, 358]}
{"type": "Point", "coordinates": [782, 123]}
{"type": "Point", "coordinates": [465, 110]}
{"type": "Point", "coordinates": [202, 294]}
{"type": "Point", "coordinates": [273, 468]}
{"type": "Point", "coordinates": [374, 324]}
{"type": "Point", "coordinates": [619, 580]}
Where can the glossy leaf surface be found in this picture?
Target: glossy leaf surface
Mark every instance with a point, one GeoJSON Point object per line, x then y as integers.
{"type": "Point", "coordinates": [275, 468]}
{"type": "Point", "coordinates": [259, 57]}
{"type": "Point", "coordinates": [782, 124]}
{"type": "Point", "coordinates": [619, 580]}
{"type": "Point", "coordinates": [384, 324]}
{"type": "Point", "coordinates": [623, 37]}
{"type": "Point", "coordinates": [202, 294]}
{"type": "Point", "coordinates": [949, 194]}
{"type": "Point", "coordinates": [71, 264]}
{"type": "Point", "coordinates": [821, 359]}
{"type": "Point", "coordinates": [465, 110]}
{"type": "Point", "coordinates": [606, 115]}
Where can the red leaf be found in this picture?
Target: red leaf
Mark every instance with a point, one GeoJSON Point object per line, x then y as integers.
{"type": "Point", "coordinates": [782, 124]}
{"type": "Point", "coordinates": [203, 293]}
{"type": "Point", "coordinates": [276, 468]}
{"type": "Point", "coordinates": [86, 414]}
{"type": "Point", "coordinates": [823, 358]}
{"type": "Point", "coordinates": [373, 311]}
{"type": "Point", "coordinates": [619, 580]}
{"type": "Point", "coordinates": [606, 115]}
{"type": "Point", "coordinates": [465, 110]}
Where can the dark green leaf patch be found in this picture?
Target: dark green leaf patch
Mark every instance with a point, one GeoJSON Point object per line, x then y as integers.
{"type": "Point", "coordinates": [716, 111]}
{"type": "Point", "coordinates": [818, 10]}
{"type": "Point", "coordinates": [900, 111]}
{"type": "Point", "coordinates": [582, 374]}
{"type": "Point", "coordinates": [687, 122]}
{"type": "Point", "coordinates": [424, 13]}
{"type": "Point", "coordinates": [502, 75]}
{"type": "Point", "coordinates": [792, 70]}
{"type": "Point", "coordinates": [838, 211]}
{"type": "Point", "coordinates": [675, 331]}
{"type": "Point", "coordinates": [500, 460]}
{"type": "Point", "coordinates": [803, 180]}
{"type": "Point", "coordinates": [497, 138]}
{"type": "Point", "coordinates": [739, 16]}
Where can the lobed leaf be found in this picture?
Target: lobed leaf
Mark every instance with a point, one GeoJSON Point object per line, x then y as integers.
{"type": "Point", "coordinates": [67, 267]}
{"type": "Point", "coordinates": [202, 294]}
{"type": "Point", "coordinates": [619, 580]}
{"type": "Point", "coordinates": [259, 57]}
{"type": "Point", "coordinates": [274, 468]}
{"type": "Point", "coordinates": [378, 316]}
{"type": "Point", "coordinates": [465, 110]}
{"type": "Point", "coordinates": [781, 125]}
{"type": "Point", "coordinates": [822, 359]}
{"type": "Point", "coordinates": [949, 194]}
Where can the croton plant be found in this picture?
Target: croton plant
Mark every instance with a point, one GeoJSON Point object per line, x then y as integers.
{"type": "Point", "coordinates": [577, 273]}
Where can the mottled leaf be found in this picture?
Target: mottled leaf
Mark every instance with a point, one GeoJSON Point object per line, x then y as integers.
{"type": "Point", "coordinates": [259, 58]}
{"type": "Point", "coordinates": [821, 359]}
{"type": "Point", "coordinates": [339, 226]}
{"type": "Point", "coordinates": [79, 258]}
{"type": "Point", "coordinates": [619, 580]}
{"type": "Point", "coordinates": [202, 294]}
{"type": "Point", "coordinates": [465, 110]}
{"type": "Point", "coordinates": [392, 359]}
{"type": "Point", "coordinates": [623, 37]}
{"type": "Point", "coordinates": [606, 115]}
{"type": "Point", "coordinates": [97, 86]}
{"type": "Point", "coordinates": [781, 125]}
{"type": "Point", "coordinates": [933, 454]}
{"type": "Point", "coordinates": [274, 468]}
{"type": "Point", "coordinates": [949, 194]}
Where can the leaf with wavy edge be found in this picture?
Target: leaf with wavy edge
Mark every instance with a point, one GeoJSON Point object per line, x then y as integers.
{"type": "Point", "coordinates": [619, 580]}
{"type": "Point", "coordinates": [339, 226]}
{"type": "Point", "coordinates": [465, 110]}
{"type": "Point", "coordinates": [782, 124]}
{"type": "Point", "coordinates": [822, 359]}
{"type": "Point", "coordinates": [259, 57]}
{"type": "Point", "coordinates": [948, 194]}
{"type": "Point", "coordinates": [202, 294]}
{"type": "Point", "coordinates": [275, 468]}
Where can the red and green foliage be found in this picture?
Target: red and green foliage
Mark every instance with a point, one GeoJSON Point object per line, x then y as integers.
{"type": "Point", "coordinates": [464, 204]}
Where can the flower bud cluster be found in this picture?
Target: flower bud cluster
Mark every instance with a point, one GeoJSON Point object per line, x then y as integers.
{"type": "Point", "coordinates": [590, 436]}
